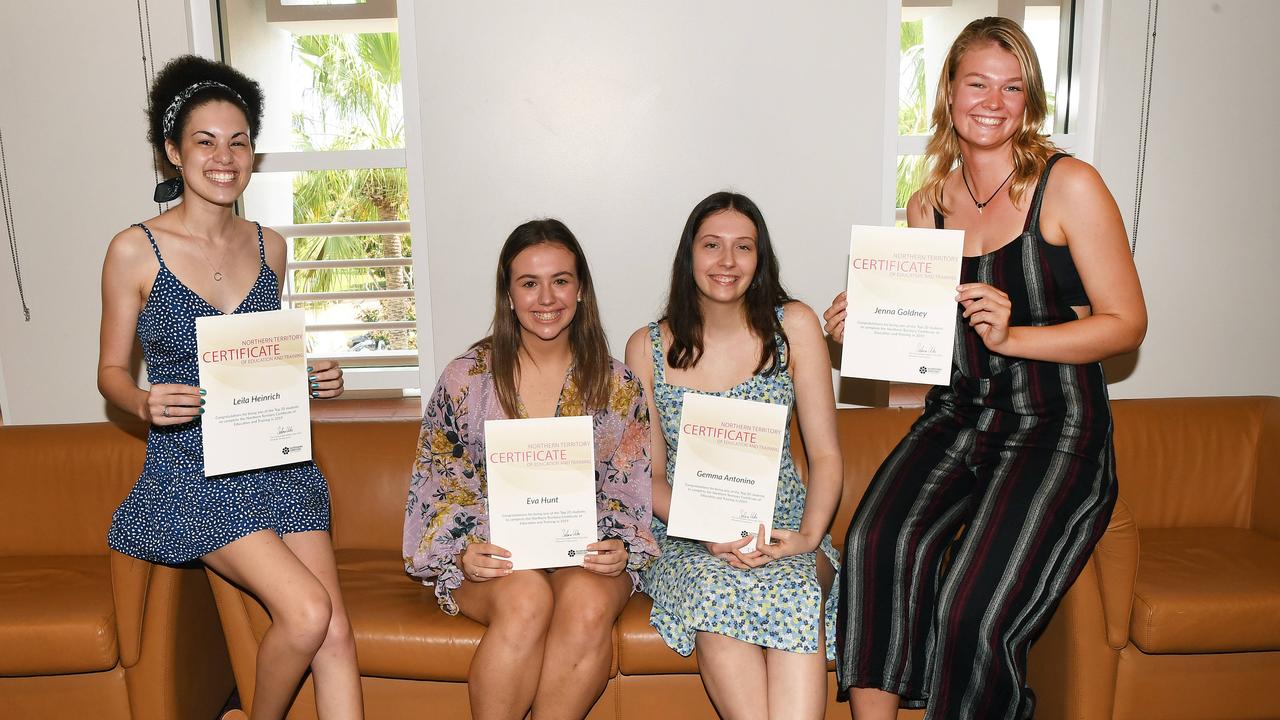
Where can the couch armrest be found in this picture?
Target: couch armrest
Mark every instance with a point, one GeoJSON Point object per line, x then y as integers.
{"type": "Point", "coordinates": [1116, 556]}
{"type": "Point", "coordinates": [171, 645]}
{"type": "Point", "coordinates": [129, 580]}
{"type": "Point", "coordinates": [1266, 493]}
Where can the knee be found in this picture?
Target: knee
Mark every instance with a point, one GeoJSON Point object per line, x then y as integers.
{"type": "Point", "coordinates": [526, 606]}
{"type": "Point", "coordinates": [589, 613]}
{"type": "Point", "coordinates": [339, 635]}
{"type": "Point", "coordinates": [306, 620]}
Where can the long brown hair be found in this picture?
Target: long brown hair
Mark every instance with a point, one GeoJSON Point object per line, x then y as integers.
{"type": "Point", "coordinates": [1031, 148]}
{"type": "Point", "coordinates": [591, 364]}
{"type": "Point", "coordinates": [764, 295]}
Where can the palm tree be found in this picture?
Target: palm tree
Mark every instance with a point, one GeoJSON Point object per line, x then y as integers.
{"type": "Point", "coordinates": [357, 78]}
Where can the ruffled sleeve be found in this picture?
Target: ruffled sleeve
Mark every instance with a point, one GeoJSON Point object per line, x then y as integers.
{"type": "Point", "coordinates": [624, 491]}
{"type": "Point", "coordinates": [446, 511]}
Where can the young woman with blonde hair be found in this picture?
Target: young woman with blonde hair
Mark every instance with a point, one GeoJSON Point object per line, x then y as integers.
{"type": "Point", "coordinates": [982, 517]}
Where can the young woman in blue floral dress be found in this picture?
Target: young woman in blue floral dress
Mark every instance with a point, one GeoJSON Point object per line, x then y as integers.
{"type": "Point", "coordinates": [758, 620]}
{"type": "Point", "coordinates": [263, 530]}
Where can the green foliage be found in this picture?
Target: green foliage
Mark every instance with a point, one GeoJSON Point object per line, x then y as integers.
{"type": "Point", "coordinates": [356, 79]}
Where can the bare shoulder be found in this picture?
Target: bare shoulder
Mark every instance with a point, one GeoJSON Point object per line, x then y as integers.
{"type": "Point", "coordinates": [1074, 179]}
{"type": "Point", "coordinates": [797, 315]}
{"type": "Point", "coordinates": [130, 248]}
{"type": "Point", "coordinates": [638, 351]}
{"type": "Point", "coordinates": [919, 211]}
{"type": "Point", "coordinates": [273, 245]}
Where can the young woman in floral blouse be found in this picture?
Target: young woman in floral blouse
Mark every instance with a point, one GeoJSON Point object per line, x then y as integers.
{"type": "Point", "coordinates": [548, 643]}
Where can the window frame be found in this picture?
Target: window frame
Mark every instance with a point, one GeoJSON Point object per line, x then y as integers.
{"type": "Point", "coordinates": [404, 371]}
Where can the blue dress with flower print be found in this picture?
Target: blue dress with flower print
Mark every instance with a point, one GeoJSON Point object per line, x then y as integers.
{"type": "Point", "coordinates": [776, 605]}
{"type": "Point", "coordinates": [175, 514]}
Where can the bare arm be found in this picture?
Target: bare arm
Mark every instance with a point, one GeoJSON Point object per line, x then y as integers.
{"type": "Point", "coordinates": [639, 358]}
{"type": "Point", "coordinates": [816, 411]}
{"type": "Point", "coordinates": [129, 262]}
{"type": "Point", "coordinates": [1081, 211]}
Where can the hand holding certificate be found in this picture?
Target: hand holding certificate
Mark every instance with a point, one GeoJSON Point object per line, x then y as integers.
{"type": "Point", "coordinates": [727, 462]}
{"type": "Point", "coordinates": [541, 489]}
{"type": "Point", "coordinates": [254, 368]}
{"type": "Point", "coordinates": [901, 318]}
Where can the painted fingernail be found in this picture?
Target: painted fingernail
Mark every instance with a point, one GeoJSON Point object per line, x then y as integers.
{"type": "Point", "coordinates": [202, 401]}
{"type": "Point", "coordinates": [313, 378]}
{"type": "Point", "coordinates": [310, 369]}
{"type": "Point", "coordinates": [203, 391]}
{"type": "Point", "coordinates": [201, 411]}
{"type": "Point", "coordinates": [315, 394]}
{"type": "Point", "coordinates": [314, 385]}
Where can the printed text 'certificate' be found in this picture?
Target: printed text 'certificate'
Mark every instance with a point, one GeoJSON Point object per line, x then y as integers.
{"type": "Point", "coordinates": [901, 320]}
{"type": "Point", "coordinates": [254, 369]}
{"type": "Point", "coordinates": [727, 461]}
{"type": "Point", "coordinates": [542, 489]}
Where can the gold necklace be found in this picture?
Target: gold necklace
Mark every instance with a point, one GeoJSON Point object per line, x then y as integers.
{"type": "Point", "coordinates": [217, 274]}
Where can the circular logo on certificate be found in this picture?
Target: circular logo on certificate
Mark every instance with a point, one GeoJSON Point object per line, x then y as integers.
{"type": "Point", "coordinates": [572, 553]}
{"type": "Point", "coordinates": [284, 450]}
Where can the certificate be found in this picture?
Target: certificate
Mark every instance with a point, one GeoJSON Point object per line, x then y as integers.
{"type": "Point", "coordinates": [541, 489]}
{"type": "Point", "coordinates": [901, 320]}
{"type": "Point", "coordinates": [254, 369]}
{"type": "Point", "coordinates": [728, 455]}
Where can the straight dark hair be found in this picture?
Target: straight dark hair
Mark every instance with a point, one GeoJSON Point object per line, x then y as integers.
{"type": "Point", "coordinates": [683, 313]}
{"type": "Point", "coordinates": [587, 342]}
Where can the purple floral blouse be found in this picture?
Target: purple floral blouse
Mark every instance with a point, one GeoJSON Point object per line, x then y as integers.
{"type": "Point", "coordinates": [446, 509]}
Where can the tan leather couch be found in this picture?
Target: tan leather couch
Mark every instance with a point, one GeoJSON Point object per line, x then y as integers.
{"type": "Point", "coordinates": [1177, 615]}
{"type": "Point", "coordinates": [86, 632]}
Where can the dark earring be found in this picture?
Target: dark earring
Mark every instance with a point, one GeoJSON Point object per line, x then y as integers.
{"type": "Point", "coordinates": [169, 190]}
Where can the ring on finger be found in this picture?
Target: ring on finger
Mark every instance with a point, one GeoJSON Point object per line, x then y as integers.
{"type": "Point", "coordinates": [165, 412]}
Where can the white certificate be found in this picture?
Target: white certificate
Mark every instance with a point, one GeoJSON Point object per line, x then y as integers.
{"type": "Point", "coordinates": [541, 489]}
{"type": "Point", "coordinates": [254, 369]}
{"type": "Point", "coordinates": [728, 455]}
{"type": "Point", "coordinates": [901, 321]}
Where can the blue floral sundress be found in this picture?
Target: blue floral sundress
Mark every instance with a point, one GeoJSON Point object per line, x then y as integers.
{"type": "Point", "coordinates": [174, 514]}
{"type": "Point", "coordinates": [773, 606]}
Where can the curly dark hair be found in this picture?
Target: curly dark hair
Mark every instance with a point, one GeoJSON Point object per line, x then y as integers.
{"type": "Point", "coordinates": [183, 72]}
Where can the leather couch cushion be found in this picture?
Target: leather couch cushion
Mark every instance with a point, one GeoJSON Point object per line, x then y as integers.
{"type": "Point", "coordinates": [641, 650]}
{"type": "Point", "coordinates": [59, 617]}
{"type": "Point", "coordinates": [400, 631]}
{"type": "Point", "coordinates": [1205, 590]}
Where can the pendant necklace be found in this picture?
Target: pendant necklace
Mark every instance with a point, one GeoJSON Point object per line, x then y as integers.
{"type": "Point", "coordinates": [217, 274]}
{"type": "Point", "coordinates": [986, 202]}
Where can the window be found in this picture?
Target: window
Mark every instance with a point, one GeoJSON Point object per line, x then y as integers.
{"type": "Point", "coordinates": [1058, 29]}
{"type": "Point", "coordinates": [331, 174]}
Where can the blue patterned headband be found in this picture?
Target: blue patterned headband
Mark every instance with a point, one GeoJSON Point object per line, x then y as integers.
{"type": "Point", "coordinates": [171, 113]}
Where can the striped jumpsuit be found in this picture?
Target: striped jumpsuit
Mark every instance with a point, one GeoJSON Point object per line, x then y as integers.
{"type": "Point", "coordinates": [984, 514]}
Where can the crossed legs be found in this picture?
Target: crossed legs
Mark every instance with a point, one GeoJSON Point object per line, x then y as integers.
{"type": "Point", "coordinates": [297, 580]}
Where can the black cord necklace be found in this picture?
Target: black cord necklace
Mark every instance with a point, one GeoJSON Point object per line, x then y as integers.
{"type": "Point", "coordinates": [986, 202]}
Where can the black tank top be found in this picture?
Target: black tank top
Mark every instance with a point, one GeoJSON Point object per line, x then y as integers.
{"type": "Point", "coordinates": [1040, 279]}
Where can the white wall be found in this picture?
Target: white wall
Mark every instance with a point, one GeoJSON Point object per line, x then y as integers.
{"type": "Point", "coordinates": [1209, 239]}
{"type": "Point", "coordinates": [80, 170]}
{"type": "Point", "coordinates": [618, 117]}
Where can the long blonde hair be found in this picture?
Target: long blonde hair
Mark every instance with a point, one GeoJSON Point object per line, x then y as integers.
{"type": "Point", "coordinates": [1031, 148]}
